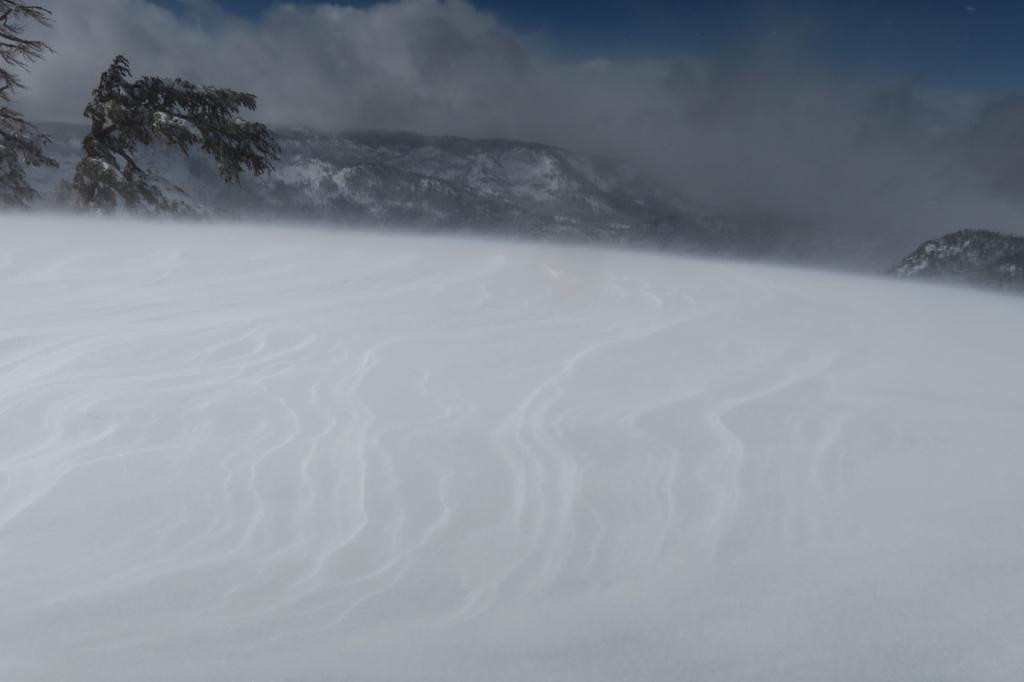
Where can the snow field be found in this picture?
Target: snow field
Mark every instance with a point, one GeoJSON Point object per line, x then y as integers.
{"type": "Point", "coordinates": [276, 453]}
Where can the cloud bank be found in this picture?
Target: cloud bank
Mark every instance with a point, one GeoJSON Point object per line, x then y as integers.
{"type": "Point", "coordinates": [760, 128]}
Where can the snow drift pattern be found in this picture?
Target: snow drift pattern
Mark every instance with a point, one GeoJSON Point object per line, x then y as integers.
{"type": "Point", "coordinates": [240, 453]}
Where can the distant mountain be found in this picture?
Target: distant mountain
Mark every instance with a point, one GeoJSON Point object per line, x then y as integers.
{"type": "Point", "coordinates": [451, 183]}
{"type": "Point", "coordinates": [422, 181]}
{"type": "Point", "coordinates": [969, 256]}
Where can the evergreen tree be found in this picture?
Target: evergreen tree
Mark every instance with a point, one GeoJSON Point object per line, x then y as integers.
{"type": "Point", "coordinates": [21, 144]}
{"type": "Point", "coordinates": [127, 113]}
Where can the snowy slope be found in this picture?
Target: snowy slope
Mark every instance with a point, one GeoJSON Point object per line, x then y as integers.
{"type": "Point", "coordinates": [247, 453]}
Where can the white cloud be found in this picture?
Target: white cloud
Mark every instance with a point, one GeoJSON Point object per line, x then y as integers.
{"type": "Point", "coordinates": [757, 130]}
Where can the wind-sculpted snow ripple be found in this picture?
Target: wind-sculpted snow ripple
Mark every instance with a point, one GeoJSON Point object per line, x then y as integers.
{"type": "Point", "coordinates": [250, 453]}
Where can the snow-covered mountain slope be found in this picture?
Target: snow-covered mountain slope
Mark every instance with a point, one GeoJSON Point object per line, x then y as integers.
{"type": "Point", "coordinates": [449, 183]}
{"type": "Point", "coordinates": [241, 453]}
{"type": "Point", "coordinates": [969, 256]}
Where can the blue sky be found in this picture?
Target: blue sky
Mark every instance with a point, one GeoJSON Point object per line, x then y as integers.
{"type": "Point", "coordinates": [975, 45]}
{"type": "Point", "coordinates": [735, 128]}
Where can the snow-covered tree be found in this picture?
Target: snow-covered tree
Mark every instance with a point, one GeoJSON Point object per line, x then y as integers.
{"type": "Point", "coordinates": [127, 113]}
{"type": "Point", "coordinates": [21, 144]}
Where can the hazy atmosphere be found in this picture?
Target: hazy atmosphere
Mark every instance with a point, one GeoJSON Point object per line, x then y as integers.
{"type": "Point", "coordinates": [511, 340]}
{"type": "Point", "coordinates": [776, 109]}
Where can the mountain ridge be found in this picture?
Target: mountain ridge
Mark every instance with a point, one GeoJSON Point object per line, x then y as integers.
{"type": "Point", "coordinates": [977, 257]}
{"type": "Point", "coordinates": [451, 183]}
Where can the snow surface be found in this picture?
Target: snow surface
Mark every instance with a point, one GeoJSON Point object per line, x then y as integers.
{"type": "Point", "coordinates": [255, 453]}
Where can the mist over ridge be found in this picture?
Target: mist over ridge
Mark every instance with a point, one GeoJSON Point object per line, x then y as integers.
{"type": "Point", "coordinates": [505, 340]}
{"type": "Point", "coordinates": [760, 127]}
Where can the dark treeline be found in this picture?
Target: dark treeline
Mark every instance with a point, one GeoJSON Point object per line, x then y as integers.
{"type": "Point", "coordinates": [124, 113]}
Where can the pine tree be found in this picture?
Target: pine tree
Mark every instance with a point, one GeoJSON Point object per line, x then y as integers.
{"type": "Point", "coordinates": [127, 113]}
{"type": "Point", "coordinates": [21, 143]}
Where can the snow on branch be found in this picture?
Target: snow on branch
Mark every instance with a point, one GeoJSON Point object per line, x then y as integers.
{"type": "Point", "coordinates": [127, 113]}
